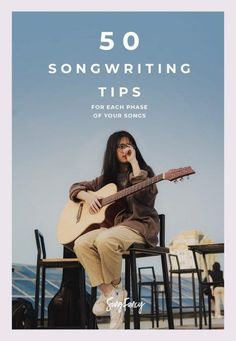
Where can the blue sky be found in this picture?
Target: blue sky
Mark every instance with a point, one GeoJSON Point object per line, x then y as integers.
{"type": "Point", "coordinates": [57, 142]}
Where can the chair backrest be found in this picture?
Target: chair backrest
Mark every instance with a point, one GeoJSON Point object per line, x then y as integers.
{"type": "Point", "coordinates": [40, 244]}
{"type": "Point", "coordinates": [162, 230]}
{"type": "Point", "coordinates": [143, 270]}
{"type": "Point", "coordinates": [173, 260]}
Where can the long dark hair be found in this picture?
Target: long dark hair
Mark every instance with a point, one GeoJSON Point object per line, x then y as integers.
{"type": "Point", "coordinates": [111, 164]}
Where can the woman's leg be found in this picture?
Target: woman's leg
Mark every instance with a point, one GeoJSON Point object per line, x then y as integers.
{"type": "Point", "coordinates": [217, 295]}
{"type": "Point", "coordinates": [222, 295]}
{"type": "Point", "coordinates": [88, 256]}
{"type": "Point", "coordinates": [110, 244]}
{"type": "Point", "coordinates": [100, 253]}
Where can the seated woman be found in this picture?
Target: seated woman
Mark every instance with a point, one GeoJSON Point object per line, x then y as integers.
{"type": "Point", "coordinates": [100, 250]}
{"type": "Point", "coordinates": [218, 289]}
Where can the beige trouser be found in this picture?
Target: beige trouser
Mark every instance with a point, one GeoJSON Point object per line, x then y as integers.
{"type": "Point", "coordinates": [218, 293]}
{"type": "Point", "coordinates": [100, 252]}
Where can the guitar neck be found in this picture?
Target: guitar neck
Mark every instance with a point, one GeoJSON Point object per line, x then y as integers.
{"type": "Point", "coordinates": [132, 189]}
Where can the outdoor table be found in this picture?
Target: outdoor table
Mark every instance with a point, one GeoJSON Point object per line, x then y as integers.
{"type": "Point", "coordinates": [203, 250]}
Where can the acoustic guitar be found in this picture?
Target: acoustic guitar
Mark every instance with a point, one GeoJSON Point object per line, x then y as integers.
{"type": "Point", "coordinates": [77, 218]}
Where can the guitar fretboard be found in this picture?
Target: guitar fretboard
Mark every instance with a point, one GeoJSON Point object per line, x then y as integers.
{"type": "Point", "coordinates": [132, 189]}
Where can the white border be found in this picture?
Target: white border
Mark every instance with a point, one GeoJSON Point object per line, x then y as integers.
{"type": "Point", "coordinates": [7, 7]}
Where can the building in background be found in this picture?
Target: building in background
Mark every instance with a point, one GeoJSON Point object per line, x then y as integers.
{"type": "Point", "coordinates": [179, 247]}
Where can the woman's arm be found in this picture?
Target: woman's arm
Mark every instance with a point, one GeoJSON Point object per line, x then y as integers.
{"type": "Point", "coordinates": [131, 158]}
{"type": "Point", "coordinates": [139, 175]}
{"type": "Point", "coordinates": [78, 191]}
{"type": "Point", "coordinates": [91, 199]}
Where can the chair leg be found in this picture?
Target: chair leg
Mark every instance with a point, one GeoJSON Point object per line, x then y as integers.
{"type": "Point", "coordinates": [127, 287]}
{"type": "Point", "coordinates": [43, 296]}
{"type": "Point", "coordinates": [139, 291]}
{"type": "Point", "coordinates": [171, 292]}
{"type": "Point", "coordinates": [162, 299]}
{"type": "Point", "coordinates": [171, 286]}
{"type": "Point", "coordinates": [167, 291]}
{"type": "Point", "coordinates": [194, 299]}
{"type": "Point", "coordinates": [209, 311]}
{"type": "Point", "coordinates": [36, 299]}
{"type": "Point", "coordinates": [180, 300]}
{"type": "Point", "coordinates": [156, 305]}
{"type": "Point", "coordinates": [134, 288]}
{"type": "Point", "coordinates": [204, 310]}
{"type": "Point", "coordinates": [92, 324]}
{"type": "Point", "coordinates": [201, 298]}
{"type": "Point", "coordinates": [152, 304]}
{"type": "Point", "coordinates": [202, 307]}
{"type": "Point", "coordinates": [82, 290]}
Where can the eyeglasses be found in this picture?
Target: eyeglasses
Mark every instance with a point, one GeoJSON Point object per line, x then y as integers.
{"type": "Point", "coordinates": [122, 146]}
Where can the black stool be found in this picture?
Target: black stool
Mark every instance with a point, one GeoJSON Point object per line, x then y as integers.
{"type": "Point", "coordinates": [42, 264]}
{"type": "Point", "coordinates": [155, 291]}
{"type": "Point", "coordinates": [178, 271]}
{"type": "Point", "coordinates": [138, 251]}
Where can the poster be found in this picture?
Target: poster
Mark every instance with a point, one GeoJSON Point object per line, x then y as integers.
{"type": "Point", "coordinates": [79, 75]}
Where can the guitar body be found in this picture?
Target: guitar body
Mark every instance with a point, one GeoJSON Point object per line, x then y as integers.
{"type": "Point", "coordinates": [77, 218]}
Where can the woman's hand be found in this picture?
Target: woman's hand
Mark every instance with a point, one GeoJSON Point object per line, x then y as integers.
{"type": "Point", "coordinates": [91, 199]}
{"type": "Point", "coordinates": [131, 158]}
{"type": "Point", "coordinates": [130, 154]}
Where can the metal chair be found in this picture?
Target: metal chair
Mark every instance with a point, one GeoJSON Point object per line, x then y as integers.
{"type": "Point", "coordinates": [178, 271]}
{"type": "Point", "coordinates": [139, 251]}
{"type": "Point", "coordinates": [42, 264]}
{"type": "Point", "coordinates": [155, 291]}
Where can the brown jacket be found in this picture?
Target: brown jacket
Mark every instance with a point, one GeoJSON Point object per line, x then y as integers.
{"type": "Point", "coordinates": [139, 214]}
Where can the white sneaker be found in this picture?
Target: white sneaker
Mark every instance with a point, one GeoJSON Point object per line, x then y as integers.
{"type": "Point", "coordinates": [115, 304]}
{"type": "Point", "coordinates": [219, 316]}
{"type": "Point", "coordinates": [100, 306]}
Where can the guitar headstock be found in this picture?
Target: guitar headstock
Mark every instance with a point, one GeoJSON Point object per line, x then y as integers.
{"type": "Point", "coordinates": [178, 173]}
